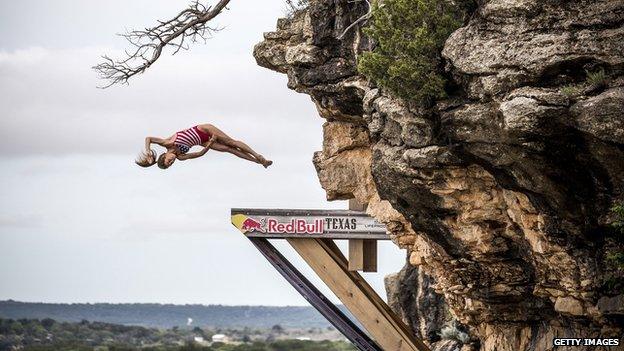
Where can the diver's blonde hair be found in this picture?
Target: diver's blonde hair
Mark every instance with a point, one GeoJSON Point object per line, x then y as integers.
{"type": "Point", "coordinates": [144, 158]}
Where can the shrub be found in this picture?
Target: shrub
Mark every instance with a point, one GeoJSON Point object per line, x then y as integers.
{"type": "Point", "coordinates": [569, 91]}
{"type": "Point", "coordinates": [616, 257]}
{"type": "Point", "coordinates": [409, 36]}
{"type": "Point", "coordinates": [597, 78]}
{"type": "Point", "coordinates": [614, 254]}
{"type": "Point", "coordinates": [618, 223]}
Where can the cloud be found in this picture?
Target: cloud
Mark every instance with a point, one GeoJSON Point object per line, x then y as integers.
{"type": "Point", "coordinates": [174, 224]}
{"type": "Point", "coordinates": [22, 57]}
{"type": "Point", "coordinates": [13, 221]}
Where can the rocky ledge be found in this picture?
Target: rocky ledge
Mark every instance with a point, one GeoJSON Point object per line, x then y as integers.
{"type": "Point", "coordinates": [502, 192]}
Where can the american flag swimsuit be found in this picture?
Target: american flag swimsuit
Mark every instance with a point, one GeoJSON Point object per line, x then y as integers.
{"type": "Point", "coordinates": [188, 138]}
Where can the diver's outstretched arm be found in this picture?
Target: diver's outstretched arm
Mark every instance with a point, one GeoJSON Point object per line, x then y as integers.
{"type": "Point", "coordinates": [148, 156]}
{"type": "Point", "coordinates": [197, 154]}
{"type": "Point", "coordinates": [192, 155]}
{"type": "Point", "coordinates": [155, 140]}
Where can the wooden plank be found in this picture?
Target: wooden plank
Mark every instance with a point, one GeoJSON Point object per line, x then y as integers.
{"type": "Point", "coordinates": [356, 254]}
{"type": "Point", "coordinates": [363, 255]}
{"type": "Point", "coordinates": [331, 247]}
{"type": "Point", "coordinates": [374, 314]}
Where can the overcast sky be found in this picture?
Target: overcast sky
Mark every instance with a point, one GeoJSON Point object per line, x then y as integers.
{"type": "Point", "coordinates": [79, 222]}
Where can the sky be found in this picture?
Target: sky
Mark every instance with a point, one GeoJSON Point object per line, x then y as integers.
{"type": "Point", "coordinates": [79, 222]}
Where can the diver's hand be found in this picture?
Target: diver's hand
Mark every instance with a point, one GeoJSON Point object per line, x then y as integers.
{"type": "Point", "coordinates": [149, 155]}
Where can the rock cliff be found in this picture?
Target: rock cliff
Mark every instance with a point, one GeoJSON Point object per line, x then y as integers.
{"type": "Point", "coordinates": [501, 192]}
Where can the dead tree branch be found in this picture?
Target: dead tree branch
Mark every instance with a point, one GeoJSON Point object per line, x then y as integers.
{"type": "Point", "coordinates": [364, 17]}
{"type": "Point", "coordinates": [146, 46]}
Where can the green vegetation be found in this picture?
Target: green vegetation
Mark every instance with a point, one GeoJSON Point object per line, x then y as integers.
{"type": "Point", "coordinates": [48, 335]}
{"type": "Point", "coordinates": [594, 80]}
{"type": "Point", "coordinates": [285, 345]}
{"type": "Point", "coordinates": [597, 78]}
{"type": "Point", "coordinates": [410, 35]}
{"type": "Point", "coordinates": [618, 223]}
{"type": "Point", "coordinates": [616, 259]}
{"type": "Point", "coordinates": [569, 91]}
{"type": "Point", "coordinates": [614, 256]}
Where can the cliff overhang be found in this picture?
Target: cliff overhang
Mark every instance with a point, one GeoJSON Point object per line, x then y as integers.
{"type": "Point", "coordinates": [502, 191]}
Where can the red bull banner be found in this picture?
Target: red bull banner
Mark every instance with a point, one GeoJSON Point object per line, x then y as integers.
{"type": "Point", "coordinates": [332, 224]}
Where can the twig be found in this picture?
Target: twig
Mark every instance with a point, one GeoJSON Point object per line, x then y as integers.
{"type": "Point", "coordinates": [364, 17]}
{"type": "Point", "coordinates": [189, 25]}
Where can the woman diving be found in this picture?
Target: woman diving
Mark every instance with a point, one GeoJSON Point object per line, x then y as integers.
{"type": "Point", "coordinates": [206, 135]}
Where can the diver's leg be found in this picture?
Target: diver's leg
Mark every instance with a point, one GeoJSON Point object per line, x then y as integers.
{"type": "Point", "coordinates": [234, 151]}
{"type": "Point", "coordinates": [229, 141]}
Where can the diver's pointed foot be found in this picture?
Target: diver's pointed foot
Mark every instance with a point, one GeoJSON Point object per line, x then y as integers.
{"type": "Point", "coordinates": [265, 163]}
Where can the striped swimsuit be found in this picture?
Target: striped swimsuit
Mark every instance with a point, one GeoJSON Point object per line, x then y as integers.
{"type": "Point", "coordinates": [188, 138]}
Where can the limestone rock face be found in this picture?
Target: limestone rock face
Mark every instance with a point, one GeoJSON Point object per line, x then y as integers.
{"type": "Point", "coordinates": [502, 192]}
{"type": "Point", "coordinates": [411, 295]}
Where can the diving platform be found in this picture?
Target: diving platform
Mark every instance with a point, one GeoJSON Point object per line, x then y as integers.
{"type": "Point", "coordinates": [312, 233]}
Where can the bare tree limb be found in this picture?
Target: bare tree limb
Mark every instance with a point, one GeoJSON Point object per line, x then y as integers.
{"type": "Point", "coordinates": [364, 17]}
{"type": "Point", "coordinates": [146, 46]}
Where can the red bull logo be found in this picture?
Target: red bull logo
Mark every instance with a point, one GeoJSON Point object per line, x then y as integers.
{"type": "Point", "coordinates": [247, 224]}
{"type": "Point", "coordinates": [251, 225]}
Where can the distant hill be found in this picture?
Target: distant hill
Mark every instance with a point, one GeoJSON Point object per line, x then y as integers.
{"type": "Point", "coordinates": [168, 316]}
